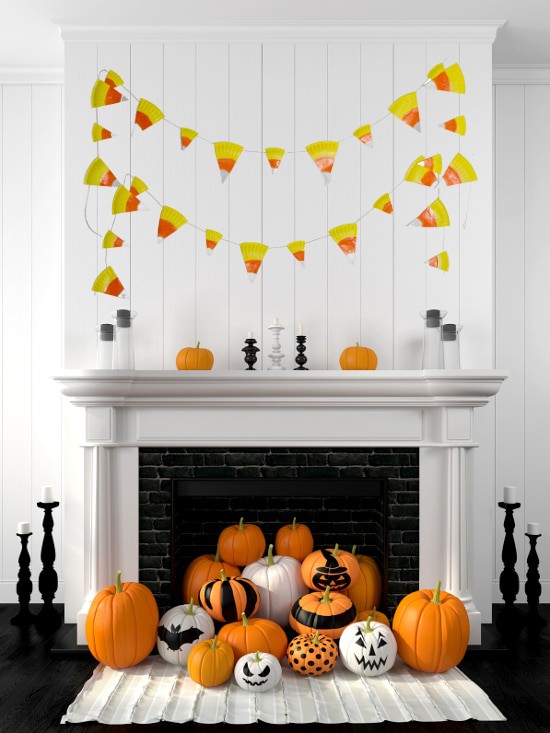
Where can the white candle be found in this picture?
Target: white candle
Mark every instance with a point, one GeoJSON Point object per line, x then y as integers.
{"type": "Point", "coordinates": [275, 321]}
{"type": "Point", "coordinates": [250, 335]}
{"type": "Point", "coordinates": [509, 494]}
{"type": "Point", "coordinates": [47, 495]}
{"type": "Point", "coordinates": [300, 329]}
{"type": "Point", "coordinates": [533, 528]}
{"type": "Point", "coordinates": [23, 528]}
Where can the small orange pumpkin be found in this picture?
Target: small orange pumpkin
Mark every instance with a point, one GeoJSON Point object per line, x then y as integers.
{"type": "Point", "coordinates": [366, 592]}
{"type": "Point", "coordinates": [432, 630]}
{"type": "Point", "coordinates": [294, 540]}
{"type": "Point", "coordinates": [225, 599]}
{"type": "Point", "coordinates": [326, 612]}
{"type": "Point", "coordinates": [201, 570]}
{"type": "Point", "coordinates": [312, 654]}
{"type": "Point", "coordinates": [331, 568]}
{"type": "Point", "coordinates": [195, 358]}
{"type": "Point", "coordinates": [374, 615]}
{"type": "Point", "coordinates": [240, 544]}
{"type": "Point", "coordinates": [210, 663]}
{"type": "Point", "coordinates": [121, 625]}
{"type": "Point", "coordinates": [358, 357]}
{"type": "Point", "coordinates": [254, 634]}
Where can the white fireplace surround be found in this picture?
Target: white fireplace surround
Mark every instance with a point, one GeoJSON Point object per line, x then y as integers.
{"type": "Point", "coordinates": [123, 411]}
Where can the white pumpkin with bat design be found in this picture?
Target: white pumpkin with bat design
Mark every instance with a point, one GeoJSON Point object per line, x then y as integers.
{"type": "Point", "coordinates": [180, 629]}
{"type": "Point", "coordinates": [258, 672]}
{"type": "Point", "coordinates": [368, 648]}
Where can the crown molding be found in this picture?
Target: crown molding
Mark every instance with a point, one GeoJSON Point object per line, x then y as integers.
{"type": "Point", "coordinates": [31, 75]}
{"type": "Point", "coordinates": [521, 74]}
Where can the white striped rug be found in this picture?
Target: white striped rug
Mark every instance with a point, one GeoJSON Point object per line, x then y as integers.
{"type": "Point", "coordinates": [155, 690]}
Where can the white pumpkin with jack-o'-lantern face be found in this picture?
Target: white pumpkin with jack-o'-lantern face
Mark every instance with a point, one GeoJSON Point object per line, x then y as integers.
{"type": "Point", "coordinates": [368, 648]}
{"type": "Point", "coordinates": [258, 672]}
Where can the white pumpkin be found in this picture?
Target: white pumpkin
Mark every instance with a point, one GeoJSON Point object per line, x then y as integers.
{"type": "Point", "coordinates": [258, 672]}
{"type": "Point", "coordinates": [368, 649]}
{"type": "Point", "coordinates": [279, 580]}
{"type": "Point", "coordinates": [180, 629]}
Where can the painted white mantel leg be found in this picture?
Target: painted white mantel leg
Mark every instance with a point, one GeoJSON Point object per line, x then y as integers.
{"type": "Point", "coordinates": [445, 493]}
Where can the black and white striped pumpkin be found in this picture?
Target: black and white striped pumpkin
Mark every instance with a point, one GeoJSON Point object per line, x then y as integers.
{"type": "Point", "coordinates": [227, 598]}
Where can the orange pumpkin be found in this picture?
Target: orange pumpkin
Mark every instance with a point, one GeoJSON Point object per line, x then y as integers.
{"type": "Point", "coordinates": [210, 663]}
{"type": "Point", "coordinates": [294, 540]}
{"type": "Point", "coordinates": [312, 654]}
{"type": "Point", "coordinates": [254, 634]}
{"type": "Point", "coordinates": [358, 357]}
{"type": "Point", "coordinates": [333, 568]}
{"type": "Point", "coordinates": [366, 592]}
{"type": "Point", "coordinates": [326, 612]}
{"type": "Point", "coordinates": [121, 625]}
{"type": "Point", "coordinates": [432, 630]}
{"type": "Point", "coordinates": [225, 599]}
{"type": "Point", "coordinates": [201, 570]}
{"type": "Point", "coordinates": [240, 544]}
{"type": "Point", "coordinates": [195, 358]}
{"type": "Point", "coordinates": [374, 615]}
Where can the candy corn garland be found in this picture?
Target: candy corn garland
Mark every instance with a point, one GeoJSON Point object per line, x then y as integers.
{"type": "Point", "coordinates": [298, 249]}
{"type": "Point", "coordinates": [455, 124]}
{"type": "Point", "coordinates": [274, 157]}
{"type": "Point", "coordinates": [434, 215]}
{"type": "Point", "coordinates": [253, 255]}
{"type": "Point", "coordinates": [147, 114]}
{"type": "Point", "coordinates": [170, 221]}
{"type": "Point", "coordinates": [107, 282]}
{"type": "Point", "coordinates": [440, 261]}
{"type": "Point", "coordinates": [100, 133]}
{"type": "Point", "coordinates": [227, 154]}
{"type": "Point", "coordinates": [459, 170]}
{"type": "Point", "coordinates": [125, 202]}
{"type": "Point", "coordinates": [383, 203]}
{"type": "Point", "coordinates": [323, 154]}
{"type": "Point", "coordinates": [450, 79]}
{"type": "Point", "coordinates": [405, 108]}
{"type": "Point", "coordinates": [212, 239]}
{"type": "Point", "coordinates": [345, 237]}
{"type": "Point", "coordinates": [111, 240]}
{"type": "Point", "coordinates": [99, 174]}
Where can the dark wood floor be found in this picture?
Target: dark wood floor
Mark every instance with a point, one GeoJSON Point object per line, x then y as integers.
{"type": "Point", "coordinates": [36, 688]}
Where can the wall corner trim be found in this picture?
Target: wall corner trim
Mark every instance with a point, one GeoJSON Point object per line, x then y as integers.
{"type": "Point", "coordinates": [521, 74]}
{"type": "Point", "coordinates": [31, 75]}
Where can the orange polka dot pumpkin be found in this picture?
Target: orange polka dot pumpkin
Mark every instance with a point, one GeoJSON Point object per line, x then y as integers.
{"type": "Point", "coordinates": [312, 654]}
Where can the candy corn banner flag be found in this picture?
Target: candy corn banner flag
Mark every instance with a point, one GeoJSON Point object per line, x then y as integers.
{"type": "Point", "coordinates": [104, 94]}
{"type": "Point", "coordinates": [187, 135]}
{"type": "Point", "coordinates": [298, 249]}
{"type": "Point", "coordinates": [345, 237]}
{"type": "Point", "coordinates": [227, 154]}
{"type": "Point", "coordinates": [440, 261]}
{"type": "Point", "coordinates": [383, 203]}
{"type": "Point", "coordinates": [364, 134]}
{"type": "Point", "coordinates": [459, 170]}
{"type": "Point", "coordinates": [419, 173]}
{"type": "Point", "coordinates": [323, 154]}
{"type": "Point", "coordinates": [107, 282]}
{"type": "Point", "coordinates": [253, 254]}
{"type": "Point", "coordinates": [147, 114]}
{"type": "Point", "coordinates": [99, 174]}
{"type": "Point", "coordinates": [170, 221]}
{"type": "Point", "coordinates": [111, 240]}
{"type": "Point", "coordinates": [274, 157]}
{"type": "Point", "coordinates": [124, 202]}
{"type": "Point", "coordinates": [212, 239]}
{"type": "Point", "coordinates": [113, 79]}
{"type": "Point", "coordinates": [405, 108]}
{"type": "Point", "coordinates": [138, 186]}
{"type": "Point", "coordinates": [100, 133]}
{"type": "Point", "coordinates": [434, 163]}
{"type": "Point", "coordinates": [455, 124]}
{"type": "Point", "coordinates": [450, 79]}
{"type": "Point", "coordinates": [434, 215]}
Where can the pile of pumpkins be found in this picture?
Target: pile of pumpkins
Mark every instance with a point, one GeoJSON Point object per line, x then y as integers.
{"type": "Point", "coordinates": [327, 596]}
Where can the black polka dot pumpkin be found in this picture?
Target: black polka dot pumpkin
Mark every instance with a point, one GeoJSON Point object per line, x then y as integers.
{"type": "Point", "coordinates": [312, 654]}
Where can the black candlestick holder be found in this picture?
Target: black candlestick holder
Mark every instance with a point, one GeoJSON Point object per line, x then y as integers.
{"type": "Point", "coordinates": [532, 586]}
{"type": "Point", "coordinates": [24, 585]}
{"type": "Point", "coordinates": [301, 359]}
{"type": "Point", "coordinates": [509, 619]}
{"type": "Point", "coordinates": [48, 618]}
{"type": "Point", "coordinates": [250, 351]}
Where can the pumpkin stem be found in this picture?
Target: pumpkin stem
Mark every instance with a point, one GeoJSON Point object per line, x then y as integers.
{"type": "Point", "coordinates": [245, 620]}
{"type": "Point", "coordinates": [222, 573]}
{"type": "Point", "coordinates": [217, 555]}
{"type": "Point", "coordinates": [315, 639]}
{"type": "Point", "coordinates": [325, 598]}
{"type": "Point", "coordinates": [336, 550]}
{"type": "Point", "coordinates": [357, 344]}
{"type": "Point", "coordinates": [294, 523]}
{"type": "Point", "coordinates": [270, 560]}
{"type": "Point", "coordinates": [214, 642]}
{"type": "Point", "coordinates": [354, 550]}
{"type": "Point", "coordinates": [198, 344]}
{"type": "Point", "coordinates": [190, 610]}
{"type": "Point", "coordinates": [118, 581]}
{"type": "Point", "coordinates": [241, 523]}
{"type": "Point", "coordinates": [257, 658]}
{"type": "Point", "coordinates": [437, 590]}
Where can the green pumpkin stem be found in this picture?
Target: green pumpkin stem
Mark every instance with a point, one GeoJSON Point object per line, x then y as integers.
{"type": "Point", "coordinates": [241, 523]}
{"type": "Point", "coordinates": [270, 560]}
{"type": "Point", "coordinates": [325, 598]}
{"type": "Point", "coordinates": [257, 658]}
{"type": "Point", "coordinates": [198, 344]}
{"type": "Point", "coordinates": [315, 639]}
{"type": "Point", "coordinates": [293, 526]}
{"type": "Point", "coordinates": [223, 575]}
{"type": "Point", "coordinates": [190, 610]}
{"type": "Point", "coordinates": [354, 550]}
{"type": "Point", "coordinates": [437, 590]}
{"type": "Point", "coordinates": [357, 344]}
{"type": "Point", "coordinates": [336, 550]}
{"type": "Point", "coordinates": [245, 620]}
{"type": "Point", "coordinates": [214, 642]}
{"type": "Point", "coordinates": [368, 627]}
{"type": "Point", "coordinates": [217, 555]}
{"type": "Point", "coordinates": [118, 581]}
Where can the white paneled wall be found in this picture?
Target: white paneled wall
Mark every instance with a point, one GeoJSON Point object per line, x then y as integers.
{"type": "Point", "coordinates": [31, 135]}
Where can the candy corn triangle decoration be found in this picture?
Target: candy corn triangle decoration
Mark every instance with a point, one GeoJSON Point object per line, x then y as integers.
{"type": "Point", "coordinates": [227, 154]}
{"type": "Point", "coordinates": [323, 154]}
{"type": "Point", "coordinates": [212, 239]}
{"type": "Point", "coordinates": [147, 114]}
{"type": "Point", "coordinates": [274, 157]}
{"type": "Point", "coordinates": [125, 202]}
{"type": "Point", "coordinates": [187, 135]}
{"type": "Point", "coordinates": [345, 237]}
{"type": "Point", "coordinates": [450, 79]}
{"type": "Point", "coordinates": [107, 282]}
{"type": "Point", "coordinates": [434, 163]}
{"type": "Point", "coordinates": [455, 124]}
{"type": "Point", "coordinates": [170, 221]}
{"type": "Point", "coordinates": [99, 174]}
{"type": "Point", "coordinates": [419, 173]}
{"type": "Point", "coordinates": [100, 133]}
{"type": "Point", "coordinates": [384, 204]}
{"type": "Point", "coordinates": [298, 249]}
{"type": "Point", "coordinates": [440, 261]}
{"type": "Point", "coordinates": [111, 240]}
{"type": "Point", "coordinates": [405, 108]}
{"type": "Point", "coordinates": [104, 94]}
{"type": "Point", "coordinates": [138, 186]}
{"type": "Point", "coordinates": [434, 215]}
{"type": "Point", "coordinates": [253, 254]}
{"type": "Point", "coordinates": [364, 134]}
{"type": "Point", "coordinates": [113, 79]}
{"type": "Point", "coordinates": [459, 170]}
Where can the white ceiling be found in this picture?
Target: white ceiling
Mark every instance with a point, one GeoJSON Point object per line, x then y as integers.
{"type": "Point", "coordinates": [29, 37]}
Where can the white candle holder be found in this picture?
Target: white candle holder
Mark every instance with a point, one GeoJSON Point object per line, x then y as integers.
{"type": "Point", "coordinates": [276, 356]}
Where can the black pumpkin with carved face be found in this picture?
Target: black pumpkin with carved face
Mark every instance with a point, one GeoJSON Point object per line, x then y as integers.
{"type": "Point", "coordinates": [368, 649]}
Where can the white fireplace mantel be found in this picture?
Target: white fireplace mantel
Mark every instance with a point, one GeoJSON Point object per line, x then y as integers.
{"type": "Point", "coordinates": [433, 410]}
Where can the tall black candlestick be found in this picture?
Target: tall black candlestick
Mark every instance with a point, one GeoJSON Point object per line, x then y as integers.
{"type": "Point", "coordinates": [250, 351]}
{"type": "Point", "coordinates": [301, 359]}
{"type": "Point", "coordinates": [509, 620]}
{"type": "Point", "coordinates": [532, 586]}
{"type": "Point", "coordinates": [48, 618]}
{"type": "Point", "coordinates": [24, 585]}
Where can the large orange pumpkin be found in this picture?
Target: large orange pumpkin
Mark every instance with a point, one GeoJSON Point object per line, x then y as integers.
{"type": "Point", "coordinates": [333, 568]}
{"type": "Point", "coordinates": [365, 593]}
{"type": "Point", "coordinates": [201, 570]}
{"type": "Point", "coordinates": [195, 358]}
{"type": "Point", "coordinates": [210, 662]}
{"type": "Point", "coordinates": [121, 625]}
{"type": "Point", "coordinates": [294, 540]}
{"type": "Point", "coordinates": [432, 630]}
{"type": "Point", "coordinates": [225, 599]}
{"type": "Point", "coordinates": [240, 544]}
{"type": "Point", "coordinates": [254, 634]}
{"type": "Point", "coordinates": [358, 357]}
{"type": "Point", "coordinates": [326, 612]}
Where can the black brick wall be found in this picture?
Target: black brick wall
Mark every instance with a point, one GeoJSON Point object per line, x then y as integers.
{"type": "Point", "coordinates": [359, 521]}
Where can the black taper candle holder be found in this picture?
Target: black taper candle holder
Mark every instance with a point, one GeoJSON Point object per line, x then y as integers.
{"type": "Point", "coordinates": [250, 351]}
{"type": "Point", "coordinates": [24, 585]}
{"type": "Point", "coordinates": [48, 618]}
{"type": "Point", "coordinates": [533, 588]}
{"type": "Point", "coordinates": [301, 359]}
{"type": "Point", "coordinates": [509, 619]}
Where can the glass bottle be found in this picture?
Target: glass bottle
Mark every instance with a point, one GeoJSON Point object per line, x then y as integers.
{"type": "Point", "coordinates": [451, 345]}
{"type": "Point", "coordinates": [105, 340]}
{"type": "Point", "coordinates": [432, 355]}
{"type": "Point", "coordinates": [123, 353]}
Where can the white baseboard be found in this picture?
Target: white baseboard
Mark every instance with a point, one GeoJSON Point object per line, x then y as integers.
{"type": "Point", "coordinates": [9, 595]}
{"type": "Point", "coordinates": [544, 598]}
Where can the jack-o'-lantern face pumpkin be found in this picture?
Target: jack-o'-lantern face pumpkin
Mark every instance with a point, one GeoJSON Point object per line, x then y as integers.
{"type": "Point", "coordinates": [330, 574]}
{"type": "Point", "coordinates": [258, 672]}
{"type": "Point", "coordinates": [368, 649]}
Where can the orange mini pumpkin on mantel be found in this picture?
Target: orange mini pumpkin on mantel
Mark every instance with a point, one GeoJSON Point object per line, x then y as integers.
{"type": "Point", "coordinates": [195, 358]}
{"type": "Point", "coordinates": [358, 357]}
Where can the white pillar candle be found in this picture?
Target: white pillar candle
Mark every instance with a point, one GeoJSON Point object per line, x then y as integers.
{"type": "Point", "coordinates": [509, 494]}
{"type": "Point", "coordinates": [23, 528]}
{"type": "Point", "coordinates": [250, 335]}
{"type": "Point", "coordinates": [300, 329]}
{"type": "Point", "coordinates": [533, 528]}
{"type": "Point", "coordinates": [275, 321]}
{"type": "Point", "coordinates": [47, 495]}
